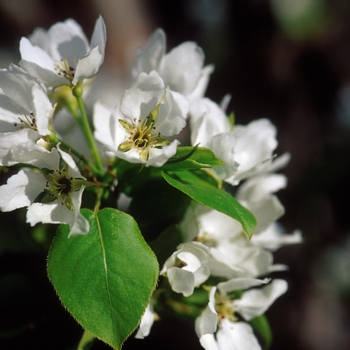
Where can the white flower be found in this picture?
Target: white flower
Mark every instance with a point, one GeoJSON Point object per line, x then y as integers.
{"type": "Point", "coordinates": [148, 114]}
{"type": "Point", "coordinates": [245, 150]}
{"type": "Point", "coordinates": [187, 267]}
{"type": "Point", "coordinates": [60, 186]}
{"type": "Point", "coordinates": [181, 69]}
{"type": "Point", "coordinates": [231, 253]}
{"type": "Point", "coordinates": [25, 110]}
{"type": "Point", "coordinates": [220, 314]}
{"type": "Point", "coordinates": [62, 55]}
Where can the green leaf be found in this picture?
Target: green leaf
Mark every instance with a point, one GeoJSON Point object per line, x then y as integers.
{"type": "Point", "coordinates": [262, 327]}
{"type": "Point", "coordinates": [199, 186]}
{"type": "Point", "coordinates": [105, 278]}
{"type": "Point", "coordinates": [192, 158]}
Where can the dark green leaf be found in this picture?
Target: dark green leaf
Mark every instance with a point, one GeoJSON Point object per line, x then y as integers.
{"type": "Point", "coordinates": [195, 186]}
{"type": "Point", "coordinates": [105, 278]}
{"type": "Point", "coordinates": [192, 158]}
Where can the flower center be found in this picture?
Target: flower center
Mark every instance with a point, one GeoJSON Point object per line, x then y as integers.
{"type": "Point", "coordinates": [59, 185]}
{"type": "Point", "coordinates": [224, 306]}
{"type": "Point", "coordinates": [64, 69]}
{"type": "Point", "coordinates": [141, 136]}
{"type": "Point", "coordinates": [27, 122]}
{"type": "Point", "coordinates": [207, 239]}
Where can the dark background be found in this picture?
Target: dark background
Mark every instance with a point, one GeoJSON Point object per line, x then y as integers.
{"type": "Point", "coordinates": [291, 65]}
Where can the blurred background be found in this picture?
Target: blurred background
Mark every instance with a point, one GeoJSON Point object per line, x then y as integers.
{"type": "Point", "coordinates": [286, 60]}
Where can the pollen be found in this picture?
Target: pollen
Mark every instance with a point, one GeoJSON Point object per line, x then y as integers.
{"type": "Point", "coordinates": [141, 136]}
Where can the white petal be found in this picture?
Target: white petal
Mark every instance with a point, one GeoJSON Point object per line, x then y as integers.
{"type": "Point", "coordinates": [42, 110]}
{"type": "Point", "coordinates": [79, 225]}
{"type": "Point", "coordinates": [254, 148]}
{"type": "Point", "coordinates": [33, 154]}
{"type": "Point", "coordinates": [206, 323]}
{"type": "Point", "coordinates": [223, 146]}
{"type": "Point", "coordinates": [146, 323]}
{"type": "Point", "coordinates": [35, 54]}
{"type": "Point", "coordinates": [172, 114]}
{"type": "Point", "coordinates": [49, 77]}
{"type": "Point", "coordinates": [149, 59]}
{"type": "Point", "coordinates": [101, 118]}
{"type": "Point", "coordinates": [181, 68]}
{"type": "Point", "coordinates": [10, 140]}
{"type": "Point", "coordinates": [21, 190]}
{"type": "Point", "coordinates": [191, 261]}
{"type": "Point", "coordinates": [257, 188]}
{"type": "Point", "coordinates": [56, 213]}
{"type": "Point", "coordinates": [273, 237]}
{"type": "Point", "coordinates": [73, 168]}
{"type": "Point", "coordinates": [207, 120]}
{"type": "Point", "coordinates": [240, 283]}
{"type": "Point", "coordinates": [208, 342]}
{"type": "Point", "coordinates": [236, 336]}
{"type": "Point", "coordinates": [181, 281]}
{"type": "Point", "coordinates": [88, 66]}
{"type": "Point", "coordinates": [159, 156]}
{"type": "Point", "coordinates": [202, 83]}
{"type": "Point", "coordinates": [99, 35]}
{"type": "Point", "coordinates": [255, 302]}
{"type": "Point", "coordinates": [68, 41]}
{"type": "Point", "coordinates": [143, 97]}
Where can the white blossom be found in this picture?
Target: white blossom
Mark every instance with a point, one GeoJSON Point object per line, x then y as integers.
{"type": "Point", "coordinates": [25, 110]}
{"type": "Point", "coordinates": [62, 55]}
{"type": "Point", "coordinates": [187, 267]}
{"type": "Point", "coordinates": [60, 186]}
{"type": "Point", "coordinates": [218, 327]}
{"type": "Point", "coordinates": [138, 130]}
{"type": "Point", "coordinates": [181, 69]}
{"type": "Point", "coordinates": [231, 253]}
{"type": "Point", "coordinates": [245, 150]}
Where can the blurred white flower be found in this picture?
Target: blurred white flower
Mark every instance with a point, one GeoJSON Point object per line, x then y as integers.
{"type": "Point", "coordinates": [62, 55]}
{"type": "Point", "coordinates": [181, 69]}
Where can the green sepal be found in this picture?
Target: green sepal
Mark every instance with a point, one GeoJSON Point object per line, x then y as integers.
{"type": "Point", "coordinates": [105, 278]}
{"type": "Point", "coordinates": [261, 325]}
{"type": "Point", "coordinates": [200, 187]}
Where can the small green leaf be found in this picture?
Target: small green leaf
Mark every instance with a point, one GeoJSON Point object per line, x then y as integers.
{"type": "Point", "coordinates": [105, 278]}
{"type": "Point", "coordinates": [262, 327]}
{"type": "Point", "coordinates": [192, 158]}
{"type": "Point", "coordinates": [202, 191]}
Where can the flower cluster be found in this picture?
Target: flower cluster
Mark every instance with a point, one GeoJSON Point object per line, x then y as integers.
{"type": "Point", "coordinates": [136, 145]}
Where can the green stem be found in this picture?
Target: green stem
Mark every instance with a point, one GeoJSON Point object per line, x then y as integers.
{"type": "Point", "coordinates": [78, 92]}
{"type": "Point", "coordinates": [99, 195]}
{"type": "Point", "coordinates": [85, 341]}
